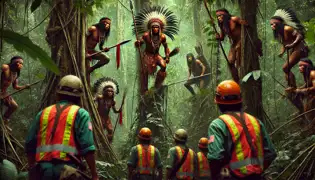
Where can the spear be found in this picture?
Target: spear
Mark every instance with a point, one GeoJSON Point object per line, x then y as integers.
{"type": "Point", "coordinates": [119, 44]}
{"type": "Point", "coordinates": [215, 29]}
{"type": "Point", "coordinates": [20, 90]}
{"type": "Point", "coordinates": [136, 33]}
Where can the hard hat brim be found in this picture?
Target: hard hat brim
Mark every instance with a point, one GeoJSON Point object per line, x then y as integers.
{"type": "Point", "coordinates": [144, 138]}
{"type": "Point", "coordinates": [228, 102]}
{"type": "Point", "coordinates": [69, 93]}
{"type": "Point", "coordinates": [181, 140]}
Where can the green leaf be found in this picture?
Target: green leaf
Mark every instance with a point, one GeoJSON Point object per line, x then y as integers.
{"type": "Point", "coordinates": [40, 76]}
{"type": "Point", "coordinates": [35, 5]}
{"type": "Point", "coordinates": [247, 76]}
{"type": "Point", "coordinates": [24, 44]}
{"type": "Point", "coordinates": [206, 29]}
{"type": "Point", "coordinates": [256, 74]}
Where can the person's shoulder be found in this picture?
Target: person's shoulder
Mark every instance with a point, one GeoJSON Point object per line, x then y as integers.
{"type": "Point", "coordinates": [288, 28]}
{"type": "Point", "coordinates": [92, 28]}
{"type": "Point", "coordinates": [312, 74]}
{"type": "Point", "coordinates": [235, 18]}
{"type": "Point", "coordinates": [146, 34]}
{"type": "Point", "coordinates": [5, 67]}
{"type": "Point", "coordinates": [83, 112]}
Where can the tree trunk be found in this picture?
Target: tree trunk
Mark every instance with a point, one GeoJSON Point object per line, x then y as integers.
{"type": "Point", "coordinates": [66, 37]}
{"type": "Point", "coordinates": [196, 21]}
{"type": "Point", "coordinates": [251, 90]}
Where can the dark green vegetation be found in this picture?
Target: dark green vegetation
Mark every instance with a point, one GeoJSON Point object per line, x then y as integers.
{"type": "Point", "coordinates": [264, 96]}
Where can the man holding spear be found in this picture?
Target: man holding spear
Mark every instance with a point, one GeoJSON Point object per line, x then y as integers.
{"type": "Point", "coordinates": [9, 75]}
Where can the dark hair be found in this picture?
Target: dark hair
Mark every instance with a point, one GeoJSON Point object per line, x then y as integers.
{"type": "Point", "coordinates": [230, 107]}
{"type": "Point", "coordinates": [225, 25]}
{"type": "Point", "coordinates": [104, 18]}
{"type": "Point", "coordinates": [11, 64]}
{"type": "Point", "coordinates": [278, 33]}
{"type": "Point", "coordinates": [307, 69]}
{"type": "Point", "coordinates": [72, 99]}
{"type": "Point", "coordinates": [107, 33]}
{"type": "Point", "coordinates": [224, 10]}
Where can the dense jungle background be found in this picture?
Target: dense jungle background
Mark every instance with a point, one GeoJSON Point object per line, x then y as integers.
{"type": "Point", "coordinates": [47, 33]}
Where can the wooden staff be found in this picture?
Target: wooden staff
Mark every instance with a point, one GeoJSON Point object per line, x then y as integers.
{"type": "Point", "coordinates": [20, 90]}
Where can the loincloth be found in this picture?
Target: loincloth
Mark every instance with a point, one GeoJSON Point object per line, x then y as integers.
{"type": "Point", "coordinates": [7, 101]}
{"type": "Point", "coordinates": [92, 51]}
{"type": "Point", "coordinates": [151, 61]}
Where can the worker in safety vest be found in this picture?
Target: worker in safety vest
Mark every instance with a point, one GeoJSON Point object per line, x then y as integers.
{"type": "Point", "coordinates": [203, 163]}
{"type": "Point", "coordinates": [145, 159]}
{"type": "Point", "coordinates": [181, 162]}
{"type": "Point", "coordinates": [60, 134]}
{"type": "Point", "coordinates": [238, 142]}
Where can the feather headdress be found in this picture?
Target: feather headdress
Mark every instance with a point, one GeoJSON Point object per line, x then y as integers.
{"type": "Point", "coordinates": [104, 82]}
{"type": "Point", "coordinates": [156, 15]}
{"type": "Point", "coordinates": [289, 18]}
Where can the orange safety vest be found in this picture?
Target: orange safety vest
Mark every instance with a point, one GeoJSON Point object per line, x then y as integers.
{"type": "Point", "coordinates": [203, 165]}
{"type": "Point", "coordinates": [186, 171]}
{"type": "Point", "coordinates": [146, 159]}
{"type": "Point", "coordinates": [63, 142]}
{"type": "Point", "coordinates": [243, 162]}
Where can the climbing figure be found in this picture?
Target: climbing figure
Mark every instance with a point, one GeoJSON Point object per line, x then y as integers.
{"type": "Point", "coordinates": [289, 31]}
{"type": "Point", "coordinates": [197, 68]}
{"type": "Point", "coordinates": [231, 26]}
{"type": "Point", "coordinates": [105, 89]}
{"type": "Point", "coordinates": [60, 132]}
{"type": "Point", "coordinates": [238, 142]}
{"type": "Point", "coordinates": [307, 91]}
{"type": "Point", "coordinates": [181, 162]}
{"type": "Point", "coordinates": [155, 23]}
{"type": "Point", "coordinates": [145, 159]}
{"type": "Point", "coordinates": [9, 75]}
{"type": "Point", "coordinates": [203, 164]}
{"type": "Point", "coordinates": [97, 34]}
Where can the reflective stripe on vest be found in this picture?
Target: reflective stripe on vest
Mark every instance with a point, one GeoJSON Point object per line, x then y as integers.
{"type": "Point", "coordinates": [187, 169]}
{"type": "Point", "coordinates": [63, 141]}
{"type": "Point", "coordinates": [146, 161]}
{"type": "Point", "coordinates": [243, 162]}
{"type": "Point", "coordinates": [203, 164]}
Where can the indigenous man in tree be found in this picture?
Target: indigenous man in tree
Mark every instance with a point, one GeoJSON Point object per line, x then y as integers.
{"type": "Point", "coordinates": [237, 140]}
{"type": "Point", "coordinates": [97, 34]}
{"type": "Point", "coordinates": [288, 30]}
{"type": "Point", "coordinates": [155, 23]}
{"type": "Point", "coordinates": [203, 164]}
{"type": "Point", "coordinates": [59, 134]}
{"type": "Point", "coordinates": [307, 91]}
{"type": "Point", "coordinates": [9, 75]}
{"type": "Point", "coordinates": [181, 162]}
{"type": "Point", "coordinates": [197, 68]}
{"type": "Point", "coordinates": [106, 88]}
{"type": "Point", "coordinates": [145, 159]}
{"type": "Point", "coordinates": [231, 26]}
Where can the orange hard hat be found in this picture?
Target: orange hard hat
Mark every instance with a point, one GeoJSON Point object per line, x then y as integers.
{"type": "Point", "coordinates": [228, 92]}
{"type": "Point", "coordinates": [145, 133]}
{"type": "Point", "coordinates": [203, 143]}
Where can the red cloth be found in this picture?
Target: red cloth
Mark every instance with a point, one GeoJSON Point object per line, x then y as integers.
{"type": "Point", "coordinates": [118, 55]}
{"type": "Point", "coordinates": [120, 117]}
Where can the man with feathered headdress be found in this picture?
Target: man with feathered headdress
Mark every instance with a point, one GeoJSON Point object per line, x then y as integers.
{"type": "Point", "coordinates": [289, 31]}
{"type": "Point", "coordinates": [105, 89]}
{"type": "Point", "coordinates": [155, 23]}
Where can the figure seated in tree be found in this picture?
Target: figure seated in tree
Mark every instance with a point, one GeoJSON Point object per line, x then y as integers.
{"type": "Point", "coordinates": [97, 34]}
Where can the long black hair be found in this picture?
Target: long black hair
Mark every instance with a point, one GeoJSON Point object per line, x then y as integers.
{"type": "Point", "coordinates": [226, 21]}
{"type": "Point", "coordinates": [13, 65]}
{"type": "Point", "coordinates": [101, 26]}
{"type": "Point", "coordinates": [307, 69]}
